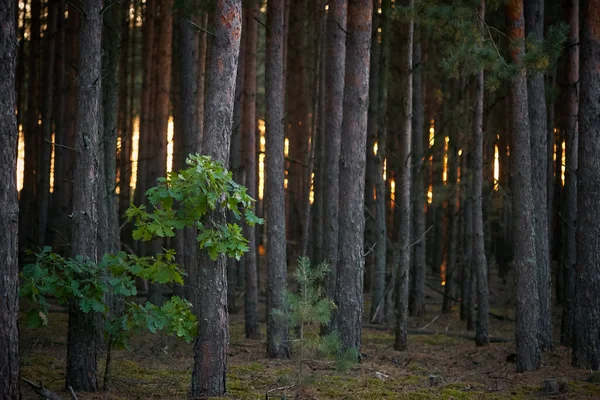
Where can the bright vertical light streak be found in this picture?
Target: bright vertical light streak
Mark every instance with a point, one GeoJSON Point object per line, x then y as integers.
{"type": "Point", "coordinates": [496, 167]}
{"type": "Point", "coordinates": [170, 145]}
{"type": "Point", "coordinates": [286, 147]}
{"type": "Point", "coordinates": [393, 192]}
{"type": "Point", "coordinates": [52, 164]}
{"type": "Point", "coordinates": [445, 170]}
{"type": "Point", "coordinates": [311, 194]}
{"type": "Point", "coordinates": [431, 142]}
{"type": "Point", "coordinates": [375, 149]}
{"type": "Point", "coordinates": [384, 169]}
{"type": "Point", "coordinates": [261, 159]}
{"type": "Point", "coordinates": [20, 159]}
{"type": "Point", "coordinates": [135, 147]}
{"type": "Point", "coordinates": [563, 163]}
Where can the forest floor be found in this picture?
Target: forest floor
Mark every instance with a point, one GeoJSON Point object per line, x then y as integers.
{"type": "Point", "coordinates": [160, 367]}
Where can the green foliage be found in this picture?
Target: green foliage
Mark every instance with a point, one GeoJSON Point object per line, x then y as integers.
{"type": "Point", "coordinates": [186, 198]}
{"type": "Point", "coordinates": [88, 285]}
{"type": "Point", "coordinates": [305, 312]}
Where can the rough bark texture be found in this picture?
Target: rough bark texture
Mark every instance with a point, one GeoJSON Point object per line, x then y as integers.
{"type": "Point", "coordinates": [527, 294]}
{"type": "Point", "coordinates": [417, 305]}
{"type": "Point", "coordinates": [157, 144]}
{"type": "Point", "coordinates": [586, 337]}
{"type": "Point", "coordinates": [277, 334]}
{"type": "Point", "coordinates": [82, 334]}
{"type": "Point", "coordinates": [349, 288]}
{"type": "Point", "coordinates": [210, 349]}
{"type": "Point", "coordinates": [108, 210]}
{"type": "Point", "coordinates": [334, 76]}
{"type": "Point", "coordinates": [9, 208]}
{"type": "Point", "coordinates": [201, 74]}
{"type": "Point", "coordinates": [188, 131]}
{"type": "Point", "coordinates": [403, 194]}
{"type": "Point", "coordinates": [249, 146]}
{"type": "Point", "coordinates": [479, 268]}
{"type": "Point", "coordinates": [570, 193]}
{"type": "Point", "coordinates": [536, 93]}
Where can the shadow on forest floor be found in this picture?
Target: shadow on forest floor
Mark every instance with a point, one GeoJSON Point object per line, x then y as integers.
{"type": "Point", "coordinates": [160, 368]}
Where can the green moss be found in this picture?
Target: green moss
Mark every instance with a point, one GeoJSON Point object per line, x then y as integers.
{"type": "Point", "coordinates": [582, 388]}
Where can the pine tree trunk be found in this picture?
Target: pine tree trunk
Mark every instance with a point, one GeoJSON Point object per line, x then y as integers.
{"type": "Point", "coordinates": [404, 192]}
{"type": "Point", "coordinates": [350, 268]}
{"type": "Point", "coordinates": [527, 298]}
{"type": "Point", "coordinates": [201, 73]}
{"type": "Point", "coordinates": [210, 349]}
{"type": "Point", "coordinates": [108, 223]}
{"type": "Point", "coordinates": [536, 93]}
{"type": "Point", "coordinates": [570, 193]}
{"type": "Point", "coordinates": [277, 334]}
{"type": "Point", "coordinates": [420, 190]}
{"type": "Point", "coordinates": [334, 76]}
{"type": "Point", "coordinates": [479, 267]}
{"type": "Point", "coordinates": [125, 131]}
{"type": "Point", "coordinates": [47, 115]}
{"type": "Point", "coordinates": [27, 198]}
{"type": "Point", "coordinates": [157, 162]}
{"type": "Point", "coordinates": [9, 208]}
{"type": "Point", "coordinates": [452, 215]}
{"type": "Point", "coordinates": [249, 146]}
{"type": "Point", "coordinates": [586, 338]}
{"type": "Point", "coordinates": [83, 330]}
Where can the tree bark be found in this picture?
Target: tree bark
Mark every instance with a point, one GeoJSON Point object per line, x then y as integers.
{"type": "Point", "coordinates": [570, 189]}
{"type": "Point", "coordinates": [249, 146]}
{"type": "Point", "coordinates": [527, 297]}
{"type": "Point", "coordinates": [479, 267]}
{"type": "Point", "coordinates": [536, 93]}
{"type": "Point", "coordinates": [349, 288]}
{"type": "Point", "coordinates": [47, 117]}
{"type": "Point", "coordinates": [83, 329]}
{"type": "Point", "coordinates": [9, 207]}
{"type": "Point", "coordinates": [157, 146]}
{"type": "Point", "coordinates": [586, 338]}
{"type": "Point", "coordinates": [277, 333]}
{"type": "Point", "coordinates": [210, 349]}
{"type": "Point", "coordinates": [404, 192]}
{"type": "Point", "coordinates": [334, 76]}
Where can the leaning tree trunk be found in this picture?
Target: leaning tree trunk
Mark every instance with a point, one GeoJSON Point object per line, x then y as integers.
{"type": "Point", "coordinates": [9, 207]}
{"type": "Point", "coordinates": [404, 194]}
{"type": "Point", "coordinates": [479, 266]}
{"type": "Point", "coordinates": [527, 296]}
{"type": "Point", "coordinates": [277, 334]}
{"type": "Point", "coordinates": [586, 338]}
{"type": "Point", "coordinates": [210, 349]}
{"type": "Point", "coordinates": [536, 93]}
{"type": "Point", "coordinates": [83, 327]}
{"type": "Point", "coordinates": [334, 76]}
{"type": "Point", "coordinates": [349, 290]}
{"type": "Point", "coordinates": [570, 189]}
{"type": "Point", "coordinates": [249, 147]}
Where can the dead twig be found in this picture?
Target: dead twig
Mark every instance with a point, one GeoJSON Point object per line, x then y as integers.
{"type": "Point", "coordinates": [42, 391]}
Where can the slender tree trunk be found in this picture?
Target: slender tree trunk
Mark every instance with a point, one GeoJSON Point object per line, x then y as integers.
{"type": "Point", "coordinates": [586, 338]}
{"type": "Point", "coordinates": [527, 298]}
{"type": "Point", "coordinates": [404, 194]}
{"type": "Point", "coordinates": [210, 349]}
{"type": "Point", "coordinates": [31, 136]}
{"type": "Point", "coordinates": [349, 288]}
{"type": "Point", "coordinates": [277, 334]}
{"type": "Point", "coordinates": [453, 213]}
{"type": "Point", "coordinates": [249, 147]}
{"type": "Point", "coordinates": [570, 193]}
{"type": "Point", "coordinates": [536, 92]}
{"type": "Point", "coordinates": [188, 131]}
{"type": "Point", "coordinates": [47, 116]}
{"type": "Point", "coordinates": [480, 267]}
{"type": "Point", "coordinates": [108, 208]}
{"type": "Point", "coordinates": [157, 163]}
{"type": "Point", "coordinates": [125, 131]}
{"type": "Point", "coordinates": [334, 76]}
{"type": "Point", "coordinates": [201, 73]}
{"type": "Point", "coordinates": [9, 207]}
{"type": "Point", "coordinates": [82, 334]}
{"type": "Point", "coordinates": [420, 190]}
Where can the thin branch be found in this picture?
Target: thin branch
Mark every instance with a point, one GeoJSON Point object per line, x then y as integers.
{"type": "Point", "coordinates": [201, 28]}
{"type": "Point", "coordinates": [59, 145]}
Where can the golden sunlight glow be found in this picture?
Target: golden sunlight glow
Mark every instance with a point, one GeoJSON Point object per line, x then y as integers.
{"type": "Point", "coordinates": [445, 170]}
{"type": "Point", "coordinates": [20, 159]}
{"type": "Point", "coordinates": [311, 194]}
{"type": "Point", "coordinates": [393, 192]}
{"type": "Point", "coordinates": [52, 164]}
{"type": "Point", "coordinates": [261, 130]}
{"type": "Point", "coordinates": [443, 273]}
{"type": "Point", "coordinates": [326, 7]}
{"type": "Point", "coordinates": [431, 133]}
{"type": "Point", "coordinates": [170, 145]}
{"type": "Point", "coordinates": [285, 180]}
{"type": "Point", "coordinates": [261, 159]}
{"type": "Point", "coordinates": [375, 149]}
{"type": "Point", "coordinates": [563, 164]}
{"type": "Point", "coordinates": [430, 194]}
{"type": "Point", "coordinates": [286, 147]}
{"type": "Point", "coordinates": [135, 148]}
{"type": "Point", "coordinates": [496, 166]}
{"type": "Point", "coordinates": [385, 169]}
